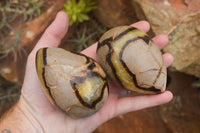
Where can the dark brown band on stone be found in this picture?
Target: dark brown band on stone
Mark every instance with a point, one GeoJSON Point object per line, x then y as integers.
{"type": "Point", "coordinates": [108, 59]}
{"type": "Point", "coordinates": [91, 65]}
{"type": "Point", "coordinates": [104, 42]}
{"type": "Point", "coordinates": [44, 55]}
{"type": "Point", "coordinates": [146, 39]}
{"type": "Point", "coordinates": [158, 75]}
{"type": "Point", "coordinates": [77, 80]}
{"type": "Point", "coordinates": [128, 70]}
{"type": "Point", "coordinates": [108, 42]}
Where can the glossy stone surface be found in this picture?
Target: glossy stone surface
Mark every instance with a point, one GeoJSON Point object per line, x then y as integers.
{"type": "Point", "coordinates": [131, 59]}
{"type": "Point", "coordinates": [73, 82]}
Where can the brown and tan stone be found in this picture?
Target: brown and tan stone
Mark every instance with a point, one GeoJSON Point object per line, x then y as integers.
{"type": "Point", "coordinates": [115, 13]}
{"type": "Point", "coordinates": [180, 20]}
{"type": "Point", "coordinates": [185, 45]}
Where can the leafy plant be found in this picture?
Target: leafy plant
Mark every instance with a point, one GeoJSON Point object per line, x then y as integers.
{"type": "Point", "coordinates": [78, 11]}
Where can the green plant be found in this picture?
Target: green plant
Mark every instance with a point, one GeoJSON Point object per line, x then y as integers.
{"type": "Point", "coordinates": [82, 39]}
{"type": "Point", "coordinates": [15, 48]}
{"type": "Point", "coordinates": [13, 13]}
{"type": "Point", "coordinates": [78, 11]}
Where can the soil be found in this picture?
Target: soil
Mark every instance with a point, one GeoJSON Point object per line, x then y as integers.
{"type": "Point", "coordinates": [182, 114]}
{"type": "Point", "coordinates": [9, 95]}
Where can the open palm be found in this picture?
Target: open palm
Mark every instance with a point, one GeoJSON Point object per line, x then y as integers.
{"type": "Point", "coordinates": [49, 119]}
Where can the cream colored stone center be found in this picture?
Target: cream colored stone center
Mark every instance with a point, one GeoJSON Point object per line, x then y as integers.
{"type": "Point", "coordinates": [90, 89]}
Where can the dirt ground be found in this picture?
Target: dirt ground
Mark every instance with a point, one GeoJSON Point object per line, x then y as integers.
{"type": "Point", "coordinates": [9, 94]}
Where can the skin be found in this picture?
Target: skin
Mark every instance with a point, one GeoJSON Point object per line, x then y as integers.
{"type": "Point", "coordinates": [34, 113]}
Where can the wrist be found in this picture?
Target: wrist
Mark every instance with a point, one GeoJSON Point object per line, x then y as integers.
{"type": "Point", "coordinates": [20, 119]}
{"type": "Point", "coordinates": [30, 115]}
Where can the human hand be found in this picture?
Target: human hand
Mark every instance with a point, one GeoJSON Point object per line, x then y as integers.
{"type": "Point", "coordinates": [47, 118]}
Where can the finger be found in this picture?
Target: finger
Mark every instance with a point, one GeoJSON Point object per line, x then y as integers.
{"type": "Point", "coordinates": [168, 58]}
{"type": "Point", "coordinates": [129, 104]}
{"type": "Point", "coordinates": [142, 25]}
{"type": "Point", "coordinates": [161, 41]}
{"type": "Point", "coordinates": [54, 33]}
